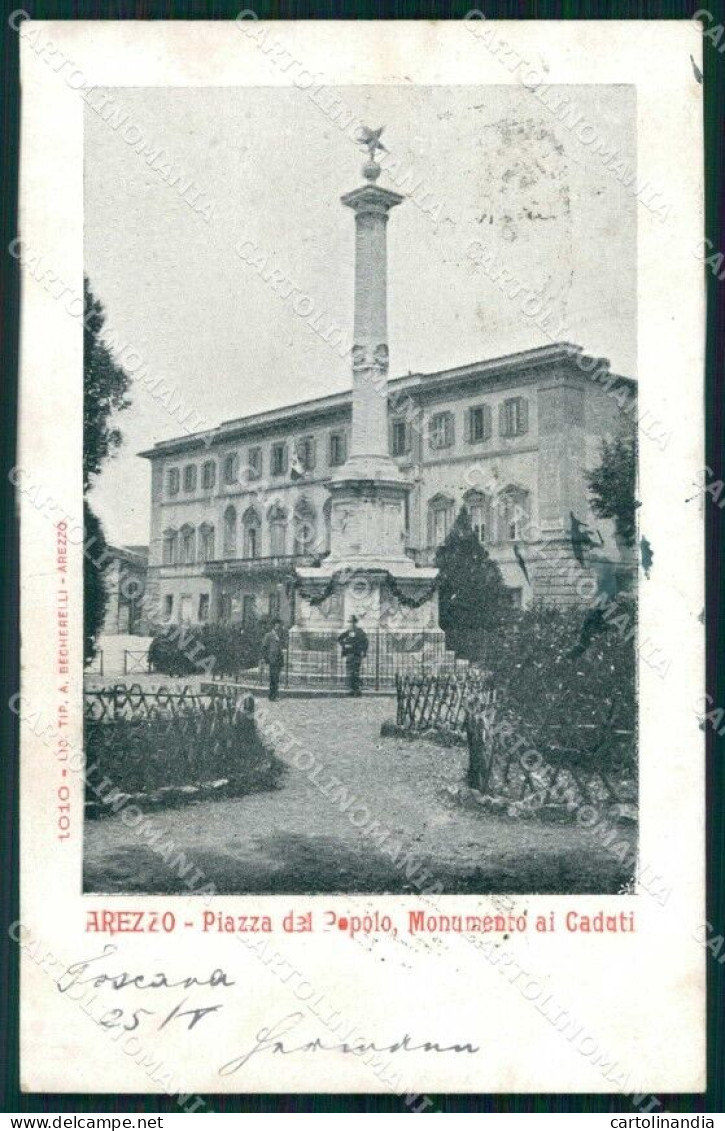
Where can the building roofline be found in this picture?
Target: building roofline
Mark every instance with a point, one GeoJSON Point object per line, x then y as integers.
{"type": "Point", "coordinates": [498, 366]}
{"type": "Point", "coordinates": [136, 556]}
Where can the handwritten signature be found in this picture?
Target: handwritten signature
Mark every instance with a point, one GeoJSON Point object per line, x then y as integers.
{"type": "Point", "coordinates": [268, 1040]}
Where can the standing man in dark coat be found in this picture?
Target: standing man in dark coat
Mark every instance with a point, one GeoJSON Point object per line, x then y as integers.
{"type": "Point", "coordinates": [354, 644]}
{"type": "Point", "coordinates": [273, 655]}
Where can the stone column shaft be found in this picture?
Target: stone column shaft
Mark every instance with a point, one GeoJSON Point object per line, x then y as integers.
{"type": "Point", "coordinates": [369, 389]}
{"type": "Point", "coordinates": [371, 205]}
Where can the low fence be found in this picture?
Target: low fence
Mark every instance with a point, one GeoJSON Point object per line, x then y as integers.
{"type": "Point", "coordinates": [511, 761]}
{"type": "Point", "coordinates": [440, 702]}
{"type": "Point", "coordinates": [316, 660]}
{"type": "Point", "coordinates": [142, 741]}
{"type": "Point", "coordinates": [539, 775]}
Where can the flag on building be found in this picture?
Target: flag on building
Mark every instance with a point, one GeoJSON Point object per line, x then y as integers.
{"type": "Point", "coordinates": [520, 559]}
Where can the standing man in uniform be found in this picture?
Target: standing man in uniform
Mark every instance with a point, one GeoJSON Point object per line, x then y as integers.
{"type": "Point", "coordinates": [354, 644]}
{"type": "Point", "coordinates": [273, 655]}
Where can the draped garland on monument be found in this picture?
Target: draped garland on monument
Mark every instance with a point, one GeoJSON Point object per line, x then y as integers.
{"type": "Point", "coordinates": [410, 602]}
{"type": "Point", "coordinates": [318, 598]}
{"type": "Point", "coordinates": [315, 598]}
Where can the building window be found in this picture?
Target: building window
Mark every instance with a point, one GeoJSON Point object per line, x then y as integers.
{"type": "Point", "coordinates": [400, 438]}
{"type": "Point", "coordinates": [279, 459]}
{"type": "Point", "coordinates": [206, 542]}
{"type": "Point", "coordinates": [170, 548]}
{"type": "Point", "coordinates": [440, 430]}
{"type": "Point", "coordinates": [440, 519]}
{"type": "Point", "coordinates": [515, 597]}
{"type": "Point", "coordinates": [306, 453]}
{"type": "Point", "coordinates": [172, 481]}
{"type": "Point", "coordinates": [305, 528]}
{"type": "Point", "coordinates": [208, 475]}
{"type": "Point", "coordinates": [479, 423]}
{"type": "Point", "coordinates": [338, 449]}
{"type": "Point", "coordinates": [254, 463]}
{"type": "Point", "coordinates": [230, 533]}
{"type": "Point", "coordinates": [168, 606]}
{"type": "Point", "coordinates": [190, 477]}
{"type": "Point", "coordinates": [187, 544]}
{"type": "Point", "coordinates": [513, 514]}
{"type": "Point", "coordinates": [252, 534]}
{"type": "Point", "coordinates": [479, 508]}
{"type": "Point", "coordinates": [203, 607]}
{"type": "Point", "coordinates": [274, 604]}
{"type": "Point", "coordinates": [514, 417]}
{"type": "Point", "coordinates": [231, 469]}
{"type": "Point", "coordinates": [249, 612]}
{"type": "Point", "coordinates": [441, 525]}
{"type": "Point", "coordinates": [278, 532]}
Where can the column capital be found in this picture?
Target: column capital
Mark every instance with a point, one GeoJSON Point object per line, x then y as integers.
{"type": "Point", "coordinates": [371, 200]}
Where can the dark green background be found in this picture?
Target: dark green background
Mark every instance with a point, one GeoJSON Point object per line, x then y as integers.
{"type": "Point", "coordinates": [714, 87]}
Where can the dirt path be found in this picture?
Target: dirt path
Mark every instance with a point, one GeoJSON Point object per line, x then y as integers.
{"type": "Point", "coordinates": [301, 839]}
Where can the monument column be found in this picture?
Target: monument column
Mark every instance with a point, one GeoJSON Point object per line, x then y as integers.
{"type": "Point", "coordinates": [371, 205]}
{"type": "Point", "coordinates": [367, 573]}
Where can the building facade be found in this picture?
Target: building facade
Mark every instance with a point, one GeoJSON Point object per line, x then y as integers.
{"type": "Point", "coordinates": [125, 582]}
{"type": "Point", "coordinates": [234, 511]}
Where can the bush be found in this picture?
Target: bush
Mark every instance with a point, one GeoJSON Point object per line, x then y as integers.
{"type": "Point", "coordinates": [569, 676]}
{"type": "Point", "coordinates": [219, 649]}
{"type": "Point", "coordinates": [154, 747]}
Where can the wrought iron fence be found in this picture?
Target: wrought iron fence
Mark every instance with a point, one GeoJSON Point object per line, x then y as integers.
{"type": "Point", "coordinates": [316, 660]}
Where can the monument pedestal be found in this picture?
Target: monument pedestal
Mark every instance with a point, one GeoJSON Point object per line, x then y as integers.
{"type": "Point", "coordinates": [402, 638]}
{"type": "Point", "coordinates": [367, 575]}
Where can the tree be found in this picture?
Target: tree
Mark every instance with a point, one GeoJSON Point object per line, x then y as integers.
{"type": "Point", "coordinates": [472, 595]}
{"type": "Point", "coordinates": [95, 594]}
{"type": "Point", "coordinates": [105, 386]}
{"type": "Point", "coordinates": [612, 485]}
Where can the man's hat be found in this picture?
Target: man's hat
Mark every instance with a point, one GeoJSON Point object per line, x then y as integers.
{"type": "Point", "coordinates": [353, 618]}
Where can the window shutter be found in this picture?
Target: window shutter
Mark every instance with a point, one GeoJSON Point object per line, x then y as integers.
{"type": "Point", "coordinates": [407, 437]}
{"type": "Point", "coordinates": [468, 425]}
{"type": "Point", "coordinates": [449, 429]}
{"type": "Point", "coordinates": [284, 459]}
{"type": "Point", "coordinates": [431, 434]}
{"type": "Point", "coordinates": [523, 415]}
{"type": "Point", "coordinates": [502, 419]}
{"type": "Point", "coordinates": [313, 453]}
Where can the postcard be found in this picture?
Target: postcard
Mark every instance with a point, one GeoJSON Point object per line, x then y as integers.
{"type": "Point", "coordinates": [360, 483]}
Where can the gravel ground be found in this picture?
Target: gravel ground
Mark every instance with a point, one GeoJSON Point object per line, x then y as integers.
{"type": "Point", "coordinates": [298, 839]}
